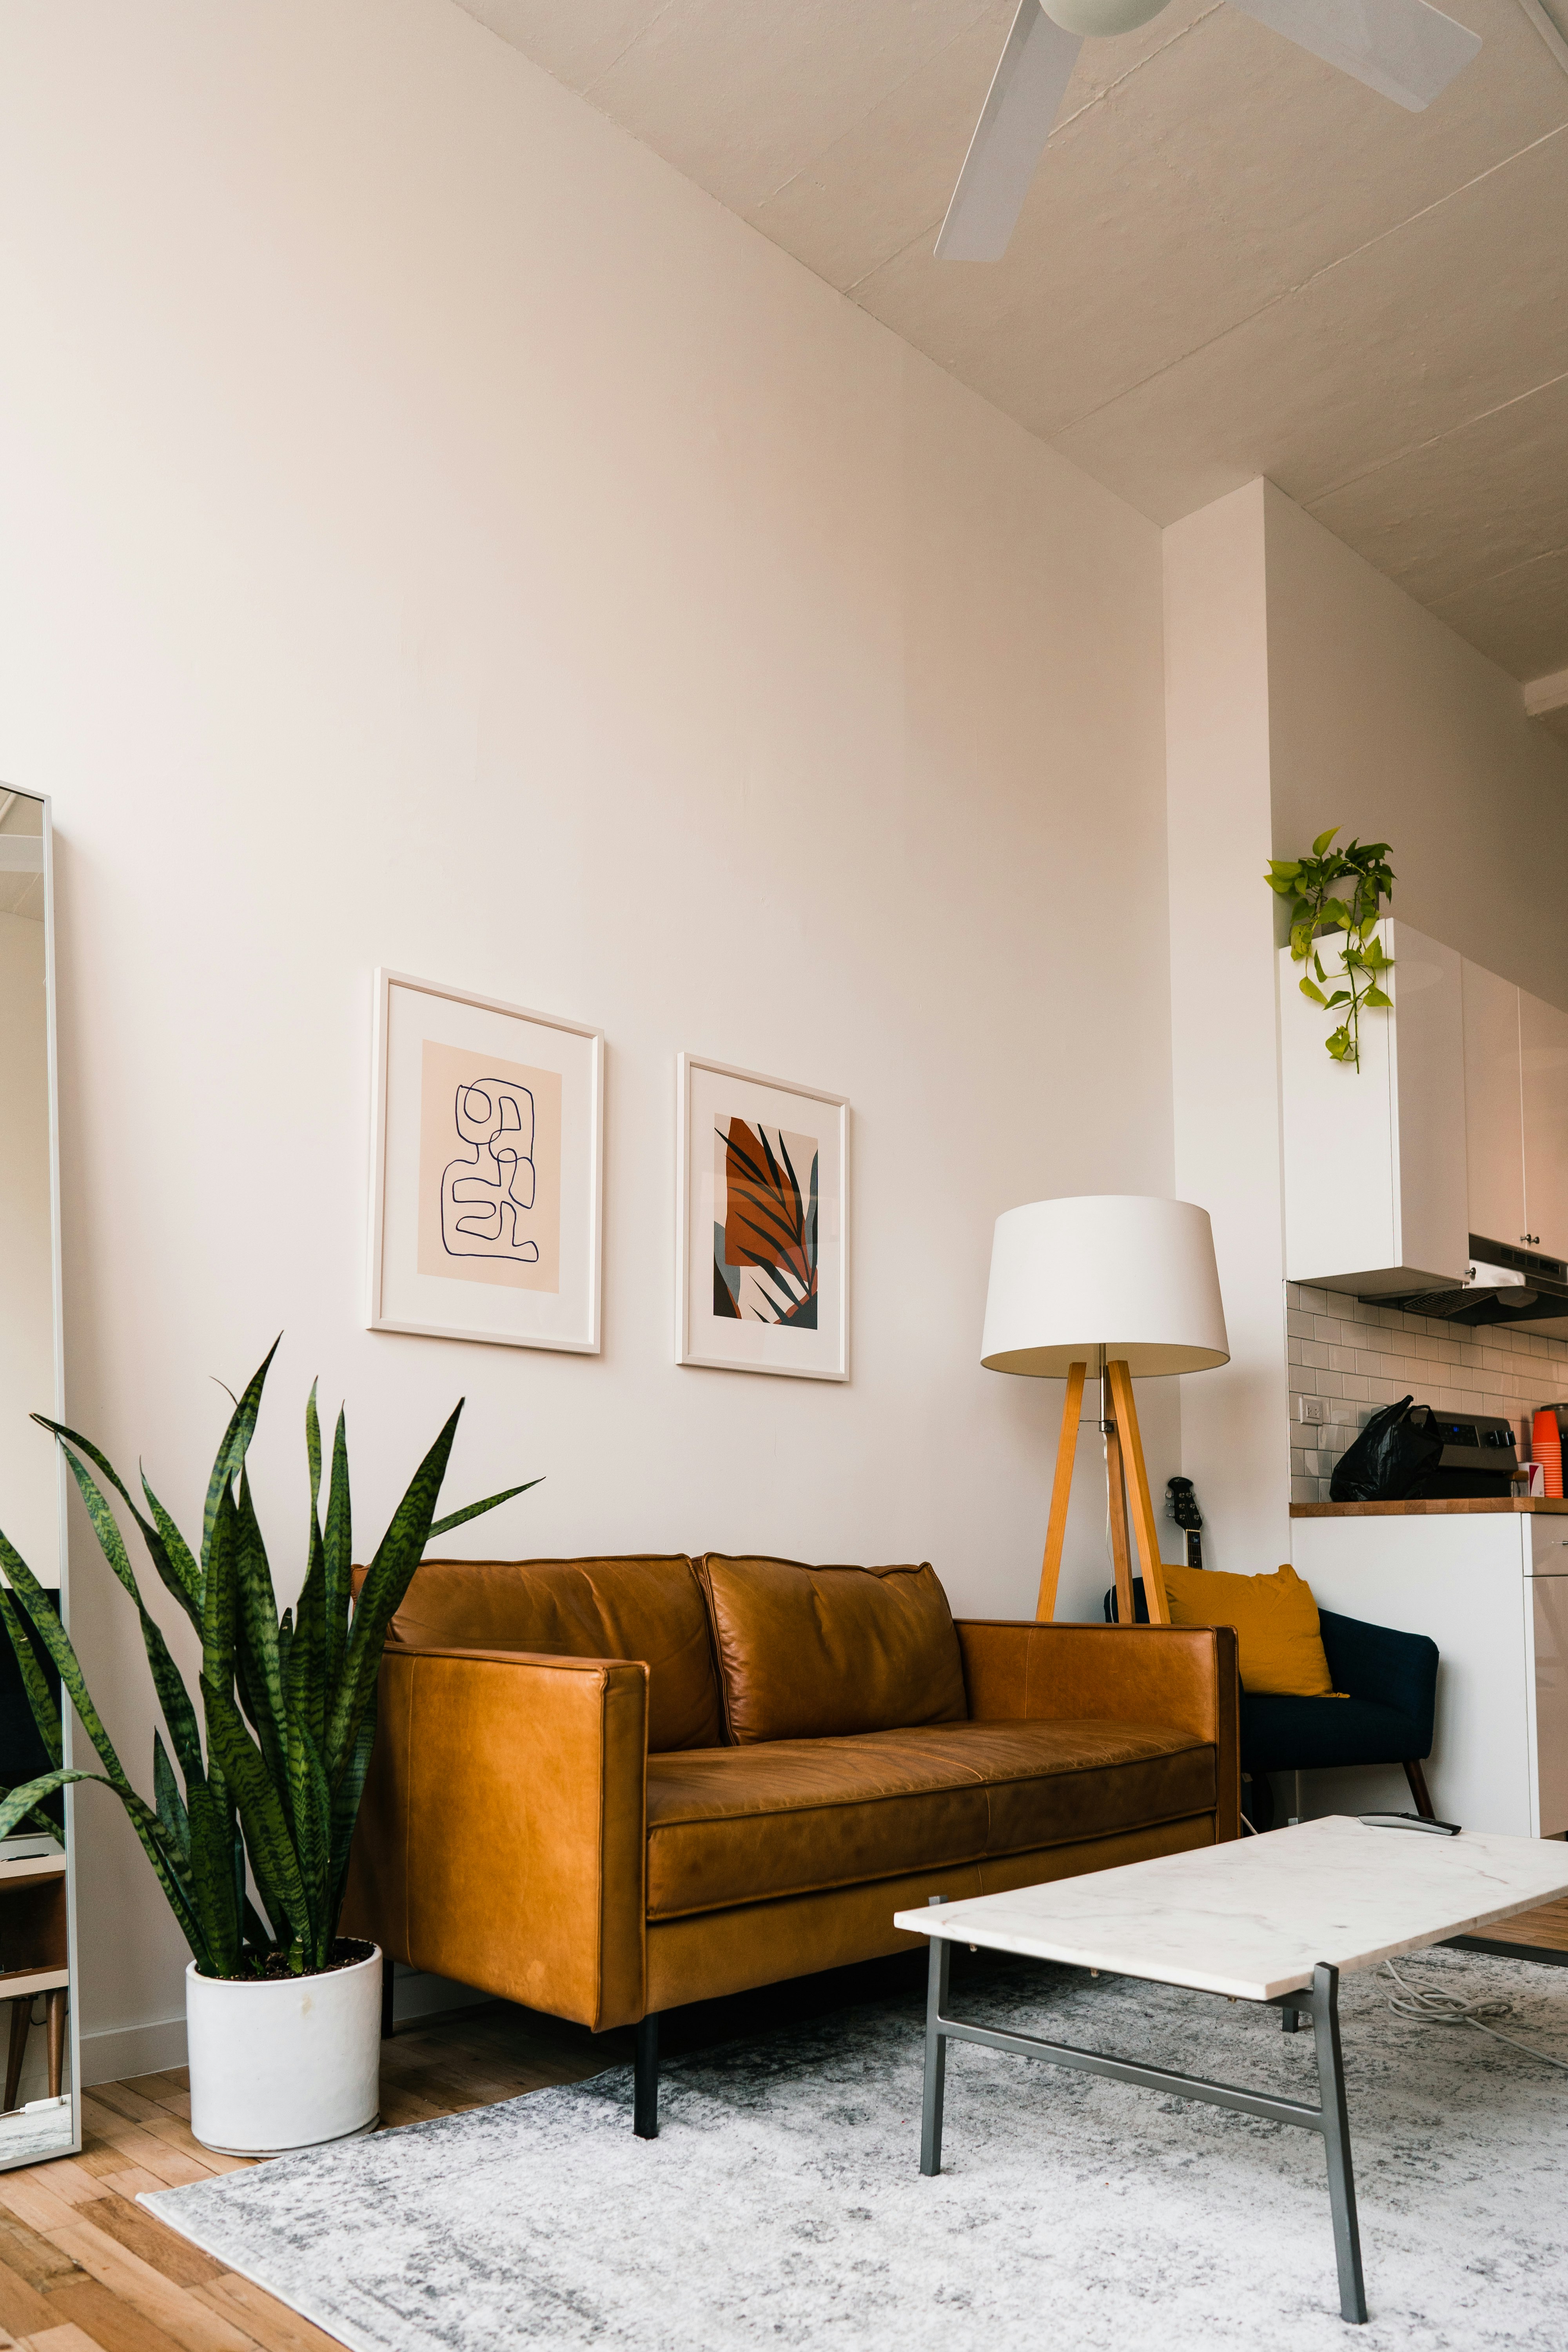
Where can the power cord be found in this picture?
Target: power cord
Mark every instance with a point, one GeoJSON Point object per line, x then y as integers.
{"type": "Point", "coordinates": [1430, 2007]}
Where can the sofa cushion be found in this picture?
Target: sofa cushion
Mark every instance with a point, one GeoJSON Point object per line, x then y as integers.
{"type": "Point", "coordinates": [737, 1824]}
{"type": "Point", "coordinates": [817, 1652]}
{"type": "Point", "coordinates": [646, 1606]}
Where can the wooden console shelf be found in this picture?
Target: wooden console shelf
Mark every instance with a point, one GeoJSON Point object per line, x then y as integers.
{"type": "Point", "coordinates": [1451, 1508]}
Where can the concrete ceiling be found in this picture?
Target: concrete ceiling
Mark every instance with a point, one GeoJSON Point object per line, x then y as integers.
{"type": "Point", "coordinates": [1234, 260]}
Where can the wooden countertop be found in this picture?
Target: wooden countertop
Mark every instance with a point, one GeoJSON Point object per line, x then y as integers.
{"type": "Point", "coordinates": [1438, 1507]}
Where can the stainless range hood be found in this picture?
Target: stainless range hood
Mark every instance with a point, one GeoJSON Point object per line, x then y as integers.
{"type": "Point", "coordinates": [1505, 1284]}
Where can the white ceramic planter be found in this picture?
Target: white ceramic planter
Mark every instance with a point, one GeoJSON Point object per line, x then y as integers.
{"type": "Point", "coordinates": [277, 2066]}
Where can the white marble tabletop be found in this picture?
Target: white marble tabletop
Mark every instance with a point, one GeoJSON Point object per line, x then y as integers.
{"type": "Point", "coordinates": [1254, 1917]}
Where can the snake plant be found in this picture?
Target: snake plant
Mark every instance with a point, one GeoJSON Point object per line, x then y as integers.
{"type": "Point", "coordinates": [288, 1703]}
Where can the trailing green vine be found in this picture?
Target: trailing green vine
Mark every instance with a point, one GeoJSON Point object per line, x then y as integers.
{"type": "Point", "coordinates": [1314, 887]}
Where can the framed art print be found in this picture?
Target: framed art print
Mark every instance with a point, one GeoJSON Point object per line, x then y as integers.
{"type": "Point", "coordinates": [762, 1224]}
{"type": "Point", "coordinates": [486, 1158]}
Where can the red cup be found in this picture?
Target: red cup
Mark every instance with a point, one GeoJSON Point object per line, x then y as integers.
{"type": "Point", "coordinates": [1546, 1446]}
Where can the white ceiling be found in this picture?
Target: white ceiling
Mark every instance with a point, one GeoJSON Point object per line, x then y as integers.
{"type": "Point", "coordinates": [1233, 260]}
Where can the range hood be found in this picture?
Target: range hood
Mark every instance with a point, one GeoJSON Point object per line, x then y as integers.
{"type": "Point", "coordinates": [1504, 1283]}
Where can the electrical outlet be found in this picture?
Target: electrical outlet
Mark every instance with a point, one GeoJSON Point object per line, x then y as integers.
{"type": "Point", "coordinates": [1311, 1407]}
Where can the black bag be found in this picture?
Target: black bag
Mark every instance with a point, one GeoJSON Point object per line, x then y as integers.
{"type": "Point", "coordinates": [1388, 1458]}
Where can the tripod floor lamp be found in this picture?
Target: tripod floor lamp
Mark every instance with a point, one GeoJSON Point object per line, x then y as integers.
{"type": "Point", "coordinates": [1124, 1286]}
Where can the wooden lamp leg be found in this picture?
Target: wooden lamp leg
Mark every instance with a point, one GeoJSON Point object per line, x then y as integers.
{"type": "Point", "coordinates": [1061, 1492]}
{"type": "Point", "coordinates": [21, 2016]}
{"type": "Point", "coordinates": [1145, 1533]}
{"type": "Point", "coordinates": [1116, 1505]}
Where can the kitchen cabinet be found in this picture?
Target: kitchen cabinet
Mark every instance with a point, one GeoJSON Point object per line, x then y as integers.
{"type": "Point", "coordinates": [1375, 1199]}
{"type": "Point", "coordinates": [1543, 1075]}
{"type": "Point", "coordinates": [1489, 1583]}
{"type": "Point", "coordinates": [1494, 1106]}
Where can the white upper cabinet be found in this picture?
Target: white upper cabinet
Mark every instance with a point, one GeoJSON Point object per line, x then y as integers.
{"type": "Point", "coordinates": [1494, 1106]}
{"type": "Point", "coordinates": [1376, 1193]}
{"type": "Point", "coordinates": [1543, 1068]}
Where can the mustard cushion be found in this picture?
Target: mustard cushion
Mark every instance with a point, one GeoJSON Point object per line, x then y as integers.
{"type": "Point", "coordinates": [1279, 1644]}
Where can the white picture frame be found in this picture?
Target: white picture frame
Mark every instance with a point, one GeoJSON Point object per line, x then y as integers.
{"type": "Point", "coordinates": [487, 1174]}
{"type": "Point", "coordinates": [762, 1329]}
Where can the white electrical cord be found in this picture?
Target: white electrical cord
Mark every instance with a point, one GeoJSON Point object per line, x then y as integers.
{"type": "Point", "coordinates": [1431, 2007]}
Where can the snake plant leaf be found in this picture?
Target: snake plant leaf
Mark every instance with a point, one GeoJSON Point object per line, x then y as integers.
{"type": "Point", "coordinates": [236, 1445]}
{"type": "Point", "coordinates": [477, 1510]}
{"type": "Point", "coordinates": [258, 1673]}
{"type": "Point", "coordinates": [45, 1707]}
{"type": "Point", "coordinates": [167, 1680]}
{"type": "Point", "coordinates": [312, 1807]}
{"type": "Point", "coordinates": [346, 1802]}
{"type": "Point", "coordinates": [219, 1611]}
{"type": "Point", "coordinates": [313, 1451]}
{"type": "Point", "coordinates": [338, 1546]}
{"type": "Point", "coordinates": [386, 1580]}
{"type": "Point", "coordinates": [268, 1843]}
{"type": "Point", "coordinates": [44, 1616]}
{"type": "Point", "coordinates": [172, 1558]}
{"type": "Point", "coordinates": [212, 1874]}
{"type": "Point", "coordinates": [172, 1818]}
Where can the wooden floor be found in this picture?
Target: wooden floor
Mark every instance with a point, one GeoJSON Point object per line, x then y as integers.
{"type": "Point", "coordinates": [84, 2268]}
{"type": "Point", "coordinates": [1543, 1930]}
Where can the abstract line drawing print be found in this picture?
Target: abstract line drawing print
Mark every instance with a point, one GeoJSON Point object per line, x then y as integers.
{"type": "Point", "coordinates": [484, 1191]}
{"type": "Point", "coordinates": [766, 1239]}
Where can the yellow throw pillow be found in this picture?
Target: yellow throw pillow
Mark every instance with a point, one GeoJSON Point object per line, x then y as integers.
{"type": "Point", "coordinates": [1280, 1646]}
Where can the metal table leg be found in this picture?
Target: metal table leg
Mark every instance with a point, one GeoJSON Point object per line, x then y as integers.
{"type": "Point", "coordinates": [1336, 2131]}
{"type": "Point", "coordinates": [1329, 2118]}
{"type": "Point", "coordinates": [936, 2051]}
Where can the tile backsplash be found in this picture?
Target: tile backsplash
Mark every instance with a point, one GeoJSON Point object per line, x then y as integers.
{"type": "Point", "coordinates": [1359, 1356]}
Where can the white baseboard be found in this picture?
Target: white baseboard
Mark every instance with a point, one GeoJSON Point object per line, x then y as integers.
{"type": "Point", "coordinates": [131, 2049]}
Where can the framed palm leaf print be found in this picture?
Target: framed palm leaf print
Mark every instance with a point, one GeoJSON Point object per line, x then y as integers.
{"type": "Point", "coordinates": [762, 1224]}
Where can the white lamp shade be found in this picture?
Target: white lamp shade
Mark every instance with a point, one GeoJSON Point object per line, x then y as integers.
{"type": "Point", "coordinates": [1122, 1271]}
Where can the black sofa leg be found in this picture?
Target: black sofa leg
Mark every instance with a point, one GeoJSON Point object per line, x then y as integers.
{"type": "Point", "coordinates": [645, 2086]}
{"type": "Point", "coordinates": [1418, 1780]}
{"type": "Point", "coordinates": [387, 2028]}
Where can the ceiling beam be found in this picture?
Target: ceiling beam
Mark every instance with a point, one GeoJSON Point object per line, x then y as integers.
{"type": "Point", "coordinates": [1544, 695]}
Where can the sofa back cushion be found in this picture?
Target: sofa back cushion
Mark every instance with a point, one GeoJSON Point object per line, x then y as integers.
{"type": "Point", "coordinates": [648, 1606]}
{"type": "Point", "coordinates": [819, 1653]}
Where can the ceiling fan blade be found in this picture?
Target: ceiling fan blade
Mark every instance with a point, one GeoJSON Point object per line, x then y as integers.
{"type": "Point", "coordinates": [1015, 123]}
{"type": "Point", "coordinates": [1405, 48]}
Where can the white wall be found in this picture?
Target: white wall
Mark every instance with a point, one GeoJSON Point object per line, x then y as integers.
{"type": "Point", "coordinates": [1382, 720]}
{"type": "Point", "coordinates": [433, 534]}
{"type": "Point", "coordinates": [1236, 1447]}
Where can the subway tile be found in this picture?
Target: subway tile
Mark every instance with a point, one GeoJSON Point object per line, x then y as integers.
{"type": "Point", "coordinates": [1375, 1367]}
{"type": "Point", "coordinates": [1314, 1355]}
{"type": "Point", "coordinates": [1341, 1359]}
{"type": "Point", "coordinates": [1328, 1384]}
{"type": "Point", "coordinates": [1299, 1326]}
{"type": "Point", "coordinates": [1304, 1490]}
{"type": "Point", "coordinates": [1356, 1387]}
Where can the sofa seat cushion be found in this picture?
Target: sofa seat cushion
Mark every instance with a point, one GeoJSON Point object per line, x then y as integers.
{"type": "Point", "coordinates": [819, 1653]}
{"type": "Point", "coordinates": [733, 1825]}
{"type": "Point", "coordinates": [1280, 1733]}
{"type": "Point", "coordinates": [642, 1605]}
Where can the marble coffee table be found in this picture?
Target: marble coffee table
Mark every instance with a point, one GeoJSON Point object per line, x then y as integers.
{"type": "Point", "coordinates": [1276, 1919]}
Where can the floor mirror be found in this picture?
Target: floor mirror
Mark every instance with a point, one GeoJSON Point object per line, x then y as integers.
{"type": "Point", "coordinates": [37, 1910]}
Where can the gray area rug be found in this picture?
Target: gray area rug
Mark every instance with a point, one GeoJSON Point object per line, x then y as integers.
{"type": "Point", "coordinates": [781, 2204]}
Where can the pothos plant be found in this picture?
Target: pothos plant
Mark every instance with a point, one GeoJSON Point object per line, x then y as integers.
{"type": "Point", "coordinates": [288, 1702]}
{"type": "Point", "coordinates": [1321, 903]}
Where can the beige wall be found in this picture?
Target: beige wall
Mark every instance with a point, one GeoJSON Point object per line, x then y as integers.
{"type": "Point", "coordinates": [1382, 720]}
{"type": "Point", "coordinates": [433, 534]}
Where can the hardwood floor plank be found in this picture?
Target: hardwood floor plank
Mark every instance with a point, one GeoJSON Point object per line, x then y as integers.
{"type": "Point", "coordinates": [172, 2165]}
{"type": "Point", "coordinates": [67, 2338]}
{"type": "Point", "coordinates": [36, 2203]}
{"type": "Point", "coordinates": [115, 2324]}
{"type": "Point", "coordinates": [31, 2255]}
{"type": "Point", "coordinates": [23, 2310]}
{"type": "Point", "coordinates": [169, 2307]}
{"type": "Point", "coordinates": [63, 2176]}
{"type": "Point", "coordinates": [179, 2261]}
{"type": "Point", "coordinates": [123, 2101]}
{"type": "Point", "coordinates": [272, 2324]}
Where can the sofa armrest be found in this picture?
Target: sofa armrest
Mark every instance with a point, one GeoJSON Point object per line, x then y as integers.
{"type": "Point", "coordinates": [1179, 1676]}
{"type": "Point", "coordinates": [502, 1841]}
{"type": "Point", "coordinates": [1392, 1669]}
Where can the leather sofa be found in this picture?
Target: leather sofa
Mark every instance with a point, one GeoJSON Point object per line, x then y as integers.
{"type": "Point", "coordinates": [604, 1788]}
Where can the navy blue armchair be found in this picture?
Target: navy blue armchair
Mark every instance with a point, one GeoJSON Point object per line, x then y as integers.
{"type": "Point", "coordinates": [1392, 1682]}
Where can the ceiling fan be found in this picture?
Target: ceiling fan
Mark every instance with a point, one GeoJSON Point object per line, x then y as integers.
{"type": "Point", "coordinates": [1405, 48]}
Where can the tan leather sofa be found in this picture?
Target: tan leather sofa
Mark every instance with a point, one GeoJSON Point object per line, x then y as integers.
{"type": "Point", "coordinates": [604, 1788]}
